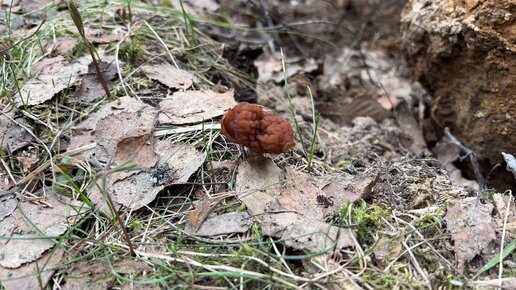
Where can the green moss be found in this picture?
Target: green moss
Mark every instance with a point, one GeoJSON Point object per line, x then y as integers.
{"type": "Point", "coordinates": [131, 51]}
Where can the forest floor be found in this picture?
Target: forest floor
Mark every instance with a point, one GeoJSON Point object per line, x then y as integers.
{"type": "Point", "coordinates": [115, 174]}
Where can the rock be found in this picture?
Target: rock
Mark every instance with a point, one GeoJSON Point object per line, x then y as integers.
{"type": "Point", "coordinates": [464, 52]}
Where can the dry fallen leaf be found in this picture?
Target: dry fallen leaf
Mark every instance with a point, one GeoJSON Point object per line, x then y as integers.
{"type": "Point", "coordinates": [7, 206]}
{"type": "Point", "coordinates": [25, 259]}
{"type": "Point", "coordinates": [258, 184]}
{"type": "Point", "coordinates": [169, 75]}
{"type": "Point", "coordinates": [99, 274]}
{"type": "Point", "coordinates": [90, 88]}
{"type": "Point", "coordinates": [12, 136]}
{"type": "Point", "coordinates": [98, 36]}
{"type": "Point", "coordinates": [124, 120]}
{"type": "Point", "coordinates": [270, 68]}
{"type": "Point", "coordinates": [26, 244]}
{"type": "Point", "coordinates": [30, 275]}
{"type": "Point", "coordinates": [305, 233]}
{"type": "Point", "coordinates": [471, 226]}
{"type": "Point", "coordinates": [294, 207]}
{"type": "Point", "coordinates": [227, 223]}
{"type": "Point", "coordinates": [50, 76]}
{"type": "Point", "coordinates": [136, 188]}
{"type": "Point", "coordinates": [63, 45]}
{"type": "Point", "coordinates": [194, 106]}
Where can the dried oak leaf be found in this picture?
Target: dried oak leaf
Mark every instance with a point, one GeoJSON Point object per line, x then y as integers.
{"type": "Point", "coordinates": [260, 131]}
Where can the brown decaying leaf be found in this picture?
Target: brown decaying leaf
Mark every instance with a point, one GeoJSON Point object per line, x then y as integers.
{"type": "Point", "coordinates": [26, 245]}
{"type": "Point", "coordinates": [471, 226]}
{"type": "Point", "coordinates": [7, 206]}
{"type": "Point", "coordinates": [169, 75]}
{"type": "Point", "coordinates": [97, 36]}
{"type": "Point", "coordinates": [90, 88]}
{"type": "Point", "coordinates": [270, 68]}
{"type": "Point", "coordinates": [194, 106]}
{"type": "Point", "coordinates": [294, 206]}
{"type": "Point", "coordinates": [29, 275]}
{"type": "Point", "coordinates": [123, 119]}
{"type": "Point", "coordinates": [12, 136]}
{"type": "Point", "coordinates": [50, 76]}
{"type": "Point", "coordinates": [227, 223]}
{"type": "Point", "coordinates": [26, 241]}
{"type": "Point", "coordinates": [123, 131]}
{"type": "Point", "coordinates": [135, 189]}
{"type": "Point", "coordinates": [99, 274]}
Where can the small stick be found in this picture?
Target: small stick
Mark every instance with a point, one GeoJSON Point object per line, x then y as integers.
{"type": "Point", "coordinates": [467, 153]}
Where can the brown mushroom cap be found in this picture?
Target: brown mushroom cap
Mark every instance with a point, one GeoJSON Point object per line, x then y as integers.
{"type": "Point", "coordinates": [260, 131]}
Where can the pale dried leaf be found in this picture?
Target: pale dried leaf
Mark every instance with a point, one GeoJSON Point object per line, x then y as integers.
{"type": "Point", "coordinates": [116, 126]}
{"type": "Point", "coordinates": [471, 226]}
{"type": "Point", "coordinates": [227, 223]}
{"type": "Point", "coordinates": [51, 75]}
{"type": "Point", "coordinates": [197, 7]}
{"type": "Point", "coordinates": [511, 163]}
{"type": "Point", "coordinates": [412, 130]}
{"type": "Point", "coordinates": [305, 233]}
{"type": "Point", "coordinates": [27, 244]}
{"type": "Point", "coordinates": [447, 153]}
{"type": "Point", "coordinates": [194, 106]}
{"type": "Point", "coordinates": [12, 136]}
{"type": "Point", "coordinates": [270, 68]}
{"type": "Point", "coordinates": [90, 88]}
{"type": "Point", "coordinates": [99, 274]}
{"type": "Point", "coordinates": [258, 184]}
{"type": "Point", "coordinates": [169, 75]}
{"type": "Point", "coordinates": [29, 275]}
{"type": "Point", "coordinates": [64, 45]}
{"type": "Point", "coordinates": [98, 36]}
{"type": "Point", "coordinates": [137, 188]}
{"type": "Point", "coordinates": [292, 207]}
{"type": "Point", "coordinates": [7, 207]}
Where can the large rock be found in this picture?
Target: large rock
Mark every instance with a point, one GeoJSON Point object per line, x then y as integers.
{"type": "Point", "coordinates": [464, 52]}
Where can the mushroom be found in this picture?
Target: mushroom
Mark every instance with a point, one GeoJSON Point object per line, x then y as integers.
{"type": "Point", "coordinates": [262, 132]}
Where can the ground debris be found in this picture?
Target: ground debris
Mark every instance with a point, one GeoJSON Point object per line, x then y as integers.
{"type": "Point", "coordinates": [12, 136]}
{"type": "Point", "coordinates": [227, 223]}
{"type": "Point", "coordinates": [50, 76]}
{"type": "Point", "coordinates": [472, 229]}
{"type": "Point", "coordinates": [27, 243]}
{"type": "Point", "coordinates": [194, 106]}
{"type": "Point", "coordinates": [122, 132]}
{"type": "Point", "coordinates": [91, 89]}
{"type": "Point", "coordinates": [289, 205]}
{"type": "Point", "coordinates": [169, 75]}
{"type": "Point", "coordinates": [99, 274]}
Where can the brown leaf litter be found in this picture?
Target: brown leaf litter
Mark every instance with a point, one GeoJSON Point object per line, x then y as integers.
{"type": "Point", "coordinates": [169, 75]}
{"type": "Point", "coordinates": [295, 206]}
{"type": "Point", "coordinates": [99, 274]}
{"type": "Point", "coordinates": [194, 106]}
{"type": "Point", "coordinates": [226, 223]}
{"type": "Point", "coordinates": [49, 77]}
{"type": "Point", "coordinates": [29, 234]}
{"type": "Point", "coordinates": [470, 224]}
{"type": "Point", "coordinates": [12, 136]}
{"type": "Point", "coordinates": [90, 88]}
{"type": "Point", "coordinates": [122, 131]}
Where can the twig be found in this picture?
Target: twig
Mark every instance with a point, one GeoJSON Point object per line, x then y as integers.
{"type": "Point", "coordinates": [467, 153]}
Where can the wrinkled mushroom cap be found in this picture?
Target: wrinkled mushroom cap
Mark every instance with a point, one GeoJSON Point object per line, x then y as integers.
{"type": "Point", "coordinates": [260, 131]}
